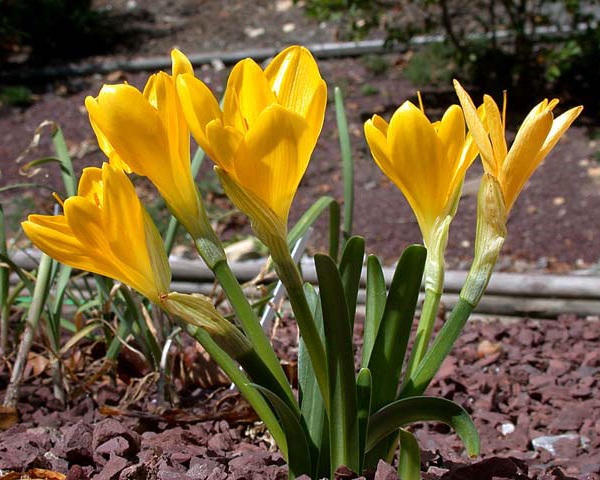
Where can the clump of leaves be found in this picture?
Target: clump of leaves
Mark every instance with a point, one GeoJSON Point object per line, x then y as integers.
{"type": "Point", "coordinates": [16, 96]}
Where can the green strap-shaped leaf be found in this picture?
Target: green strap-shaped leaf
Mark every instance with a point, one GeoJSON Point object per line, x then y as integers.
{"type": "Point", "coordinates": [421, 409]}
{"type": "Point", "coordinates": [5, 298]}
{"type": "Point", "coordinates": [388, 352]}
{"type": "Point", "coordinates": [334, 230]}
{"type": "Point", "coordinates": [62, 152]}
{"type": "Point", "coordinates": [347, 162]}
{"type": "Point", "coordinates": [363, 393]}
{"type": "Point", "coordinates": [299, 461]}
{"type": "Point", "coordinates": [374, 306]}
{"type": "Point", "coordinates": [343, 423]}
{"type": "Point", "coordinates": [409, 463]}
{"type": "Point", "coordinates": [350, 269]}
{"type": "Point", "coordinates": [60, 284]}
{"type": "Point", "coordinates": [312, 407]}
{"type": "Point", "coordinates": [307, 219]}
{"type": "Point", "coordinates": [19, 271]}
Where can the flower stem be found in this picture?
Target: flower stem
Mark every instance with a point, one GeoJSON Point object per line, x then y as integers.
{"type": "Point", "coordinates": [215, 258]}
{"type": "Point", "coordinates": [443, 343]}
{"type": "Point", "coordinates": [251, 394]}
{"type": "Point", "coordinates": [424, 330]}
{"type": "Point", "coordinates": [289, 275]}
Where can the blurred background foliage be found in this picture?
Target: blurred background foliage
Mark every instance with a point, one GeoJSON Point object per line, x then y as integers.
{"type": "Point", "coordinates": [548, 45]}
{"type": "Point", "coordinates": [44, 30]}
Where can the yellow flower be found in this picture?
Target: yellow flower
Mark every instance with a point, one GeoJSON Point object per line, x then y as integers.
{"type": "Point", "coordinates": [105, 230]}
{"type": "Point", "coordinates": [264, 136]}
{"type": "Point", "coordinates": [147, 134]}
{"type": "Point", "coordinates": [427, 162]}
{"type": "Point", "coordinates": [538, 134]}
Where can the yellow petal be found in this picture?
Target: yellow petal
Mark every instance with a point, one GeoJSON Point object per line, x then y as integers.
{"type": "Point", "coordinates": [522, 159]}
{"type": "Point", "coordinates": [62, 245]}
{"type": "Point", "coordinates": [273, 157]}
{"type": "Point", "coordinates": [560, 125]}
{"type": "Point", "coordinates": [122, 207]}
{"type": "Point", "coordinates": [133, 128]}
{"type": "Point", "coordinates": [378, 145]}
{"type": "Point", "coordinates": [417, 155]}
{"type": "Point", "coordinates": [85, 221]}
{"type": "Point", "coordinates": [495, 126]}
{"type": "Point", "coordinates": [180, 63]}
{"type": "Point", "coordinates": [90, 185]}
{"type": "Point", "coordinates": [315, 114]}
{"type": "Point", "coordinates": [380, 124]}
{"type": "Point", "coordinates": [161, 89]}
{"type": "Point", "coordinates": [103, 142]}
{"type": "Point", "coordinates": [199, 107]}
{"type": "Point", "coordinates": [55, 223]}
{"type": "Point", "coordinates": [224, 142]}
{"type": "Point", "coordinates": [248, 93]}
{"type": "Point", "coordinates": [451, 132]}
{"type": "Point", "coordinates": [477, 130]}
{"type": "Point", "coordinates": [294, 77]}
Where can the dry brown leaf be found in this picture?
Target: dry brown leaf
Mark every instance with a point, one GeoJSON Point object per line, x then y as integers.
{"type": "Point", "coordinates": [34, 474]}
{"type": "Point", "coordinates": [8, 417]}
{"type": "Point", "coordinates": [487, 348]}
{"type": "Point", "coordinates": [36, 364]}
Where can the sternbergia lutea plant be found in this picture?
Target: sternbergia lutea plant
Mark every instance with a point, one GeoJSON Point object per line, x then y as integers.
{"type": "Point", "coordinates": [261, 141]}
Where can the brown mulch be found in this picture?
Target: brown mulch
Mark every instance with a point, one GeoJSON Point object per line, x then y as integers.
{"type": "Point", "coordinates": [531, 387]}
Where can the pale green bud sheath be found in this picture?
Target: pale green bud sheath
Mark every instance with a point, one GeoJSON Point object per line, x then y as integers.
{"type": "Point", "coordinates": [489, 238]}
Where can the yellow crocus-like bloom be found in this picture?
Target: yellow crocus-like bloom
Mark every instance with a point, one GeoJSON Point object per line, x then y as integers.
{"type": "Point", "coordinates": [538, 134]}
{"type": "Point", "coordinates": [146, 133]}
{"type": "Point", "coordinates": [106, 230]}
{"type": "Point", "coordinates": [427, 162]}
{"type": "Point", "coordinates": [263, 138]}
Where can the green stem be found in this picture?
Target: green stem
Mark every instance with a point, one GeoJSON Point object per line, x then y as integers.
{"type": "Point", "coordinates": [4, 288]}
{"type": "Point", "coordinates": [254, 398]}
{"type": "Point", "coordinates": [443, 343]}
{"type": "Point", "coordinates": [243, 310]}
{"type": "Point", "coordinates": [38, 300]}
{"type": "Point", "coordinates": [289, 275]}
{"type": "Point", "coordinates": [424, 330]}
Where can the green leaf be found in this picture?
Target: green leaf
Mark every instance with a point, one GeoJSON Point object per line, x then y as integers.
{"type": "Point", "coordinates": [347, 162]}
{"type": "Point", "coordinates": [409, 463]}
{"type": "Point", "coordinates": [343, 423]}
{"type": "Point", "coordinates": [312, 407]}
{"type": "Point", "coordinates": [421, 409]}
{"type": "Point", "coordinates": [61, 282]}
{"type": "Point", "coordinates": [307, 219]}
{"type": "Point", "coordinates": [363, 393]}
{"type": "Point", "coordinates": [4, 271]}
{"type": "Point", "coordinates": [299, 460]}
{"type": "Point", "coordinates": [391, 342]}
{"type": "Point", "coordinates": [375, 305]}
{"type": "Point", "coordinates": [19, 271]}
{"type": "Point", "coordinates": [334, 230]}
{"type": "Point", "coordinates": [15, 186]}
{"type": "Point", "coordinates": [66, 164]}
{"type": "Point", "coordinates": [350, 269]}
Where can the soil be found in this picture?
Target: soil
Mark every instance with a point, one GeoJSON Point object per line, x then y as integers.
{"type": "Point", "coordinates": [534, 402]}
{"type": "Point", "coordinates": [521, 381]}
